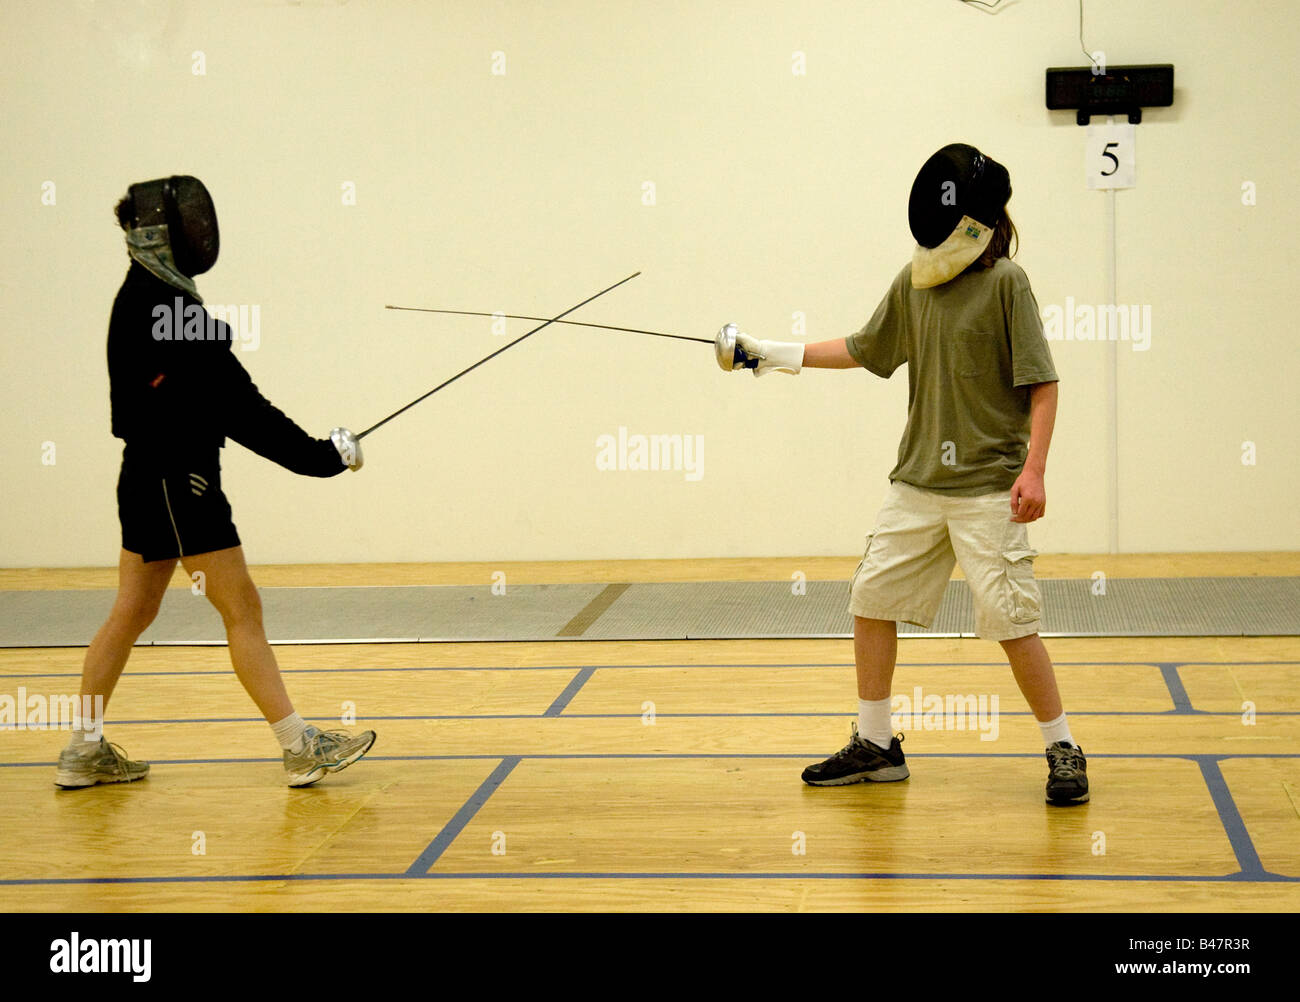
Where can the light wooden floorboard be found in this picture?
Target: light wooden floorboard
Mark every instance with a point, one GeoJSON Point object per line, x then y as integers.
{"type": "Point", "coordinates": [668, 780]}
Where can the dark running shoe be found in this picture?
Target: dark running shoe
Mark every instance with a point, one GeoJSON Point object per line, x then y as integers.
{"type": "Point", "coordinates": [859, 761]}
{"type": "Point", "coordinates": [1067, 776]}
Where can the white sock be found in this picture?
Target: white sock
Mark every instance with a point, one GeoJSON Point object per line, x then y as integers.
{"type": "Point", "coordinates": [84, 741]}
{"type": "Point", "coordinates": [1056, 730]}
{"type": "Point", "coordinates": [289, 732]}
{"type": "Point", "coordinates": [86, 731]}
{"type": "Point", "coordinates": [873, 721]}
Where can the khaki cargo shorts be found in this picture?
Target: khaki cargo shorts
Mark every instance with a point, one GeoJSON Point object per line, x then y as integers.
{"type": "Point", "coordinates": [918, 537]}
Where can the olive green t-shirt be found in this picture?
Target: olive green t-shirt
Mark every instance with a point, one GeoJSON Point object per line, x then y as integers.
{"type": "Point", "coordinates": [973, 347]}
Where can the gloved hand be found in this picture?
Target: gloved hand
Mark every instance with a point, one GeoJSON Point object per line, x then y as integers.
{"type": "Point", "coordinates": [348, 446]}
{"type": "Point", "coordinates": [735, 349]}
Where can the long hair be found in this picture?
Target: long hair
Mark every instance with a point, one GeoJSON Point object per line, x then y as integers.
{"type": "Point", "coordinates": [1000, 244]}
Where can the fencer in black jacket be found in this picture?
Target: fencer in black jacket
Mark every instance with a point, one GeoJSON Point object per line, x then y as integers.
{"type": "Point", "coordinates": [177, 392]}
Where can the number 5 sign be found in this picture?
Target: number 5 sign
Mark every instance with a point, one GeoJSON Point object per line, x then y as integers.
{"type": "Point", "coordinates": [1112, 156]}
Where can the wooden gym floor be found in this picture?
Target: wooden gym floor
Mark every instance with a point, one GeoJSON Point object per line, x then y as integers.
{"type": "Point", "coordinates": [664, 776]}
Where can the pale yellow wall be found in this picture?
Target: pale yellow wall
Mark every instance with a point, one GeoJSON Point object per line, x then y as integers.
{"type": "Point", "coordinates": [776, 193]}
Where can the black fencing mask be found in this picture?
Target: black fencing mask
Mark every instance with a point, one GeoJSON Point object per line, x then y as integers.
{"type": "Point", "coordinates": [171, 229]}
{"type": "Point", "coordinates": [957, 199]}
{"type": "Point", "coordinates": [183, 205]}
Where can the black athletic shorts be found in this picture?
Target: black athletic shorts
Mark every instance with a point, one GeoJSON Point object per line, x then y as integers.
{"type": "Point", "coordinates": [173, 507]}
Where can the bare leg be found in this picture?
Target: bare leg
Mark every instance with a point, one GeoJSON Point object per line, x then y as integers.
{"type": "Point", "coordinates": [875, 650]}
{"type": "Point", "coordinates": [140, 591]}
{"type": "Point", "coordinates": [1033, 670]}
{"type": "Point", "coordinates": [229, 588]}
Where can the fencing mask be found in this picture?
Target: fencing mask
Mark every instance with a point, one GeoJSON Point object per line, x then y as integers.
{"type": "Point", "coordinates": [171, 228]}
{"type": "Point", "coordinates": [957, 199]}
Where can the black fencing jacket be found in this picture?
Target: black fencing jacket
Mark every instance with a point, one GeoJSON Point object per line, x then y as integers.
{"type": "Point", "coordinates": [177, 393]}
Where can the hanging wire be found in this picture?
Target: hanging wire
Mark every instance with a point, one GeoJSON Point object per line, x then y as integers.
{"type": "Point", "coordinates": [1081, 42]}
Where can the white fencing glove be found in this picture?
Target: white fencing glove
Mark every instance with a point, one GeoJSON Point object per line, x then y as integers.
{"type": "Point", "coordinates": [736, 350]}
{"type": "Point", "coordinates": [349, 448]}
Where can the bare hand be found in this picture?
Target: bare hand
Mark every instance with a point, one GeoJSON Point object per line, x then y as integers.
{"type": "Point", "coordinates": [1028, 497]}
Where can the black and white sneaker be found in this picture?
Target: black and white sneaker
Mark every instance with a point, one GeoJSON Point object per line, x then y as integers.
{"type": "Point", "coordinates": [860, 761]}
{"type": "Point", "coordinates": [1067, 775]}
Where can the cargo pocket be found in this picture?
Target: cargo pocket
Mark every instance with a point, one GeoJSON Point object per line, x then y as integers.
{"type": "Point", "coordinates": [1023, 602]}
{"type": "Point", "coordinates": [861, 563]}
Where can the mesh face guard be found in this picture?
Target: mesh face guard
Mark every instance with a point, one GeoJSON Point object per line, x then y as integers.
{"type": "Point", "coordinates": [183, 205]}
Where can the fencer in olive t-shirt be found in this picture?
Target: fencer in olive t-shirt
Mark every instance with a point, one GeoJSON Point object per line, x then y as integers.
{"type": "Point", "coordinates": [974, 346]}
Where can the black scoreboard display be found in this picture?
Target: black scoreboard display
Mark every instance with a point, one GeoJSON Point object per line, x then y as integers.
{"type": "Point", "coordinates": [1120, 90]}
